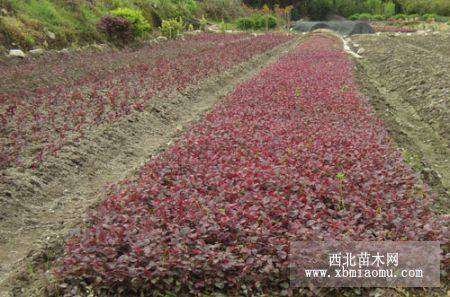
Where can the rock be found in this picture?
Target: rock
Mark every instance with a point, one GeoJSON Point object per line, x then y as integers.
{"type": "Point", "coordinates": [214, 28]}
{"type": "Point", "coordinates": [64, 51]}
{"type": "Point", "coordinates": [4, 11]}
{"type": "Point", "coordinates": [228, 31]}
{"type": "Point", "coordinates": [361, 51]}
{"type": "Point", "coordinates": [16, 53]}
{"type": "Point", "coordinates": [98, 47]}
{"type": "Point", "coordinates": [355, 45]}
{"type": "Point", "coordinates": [37, 51]}
{"type": "Point", "coordinates": [161, 38]}
{"type": "Point", "coordinates": [49, 34]}
{"type": "Point", "coordinates": [45, 44]}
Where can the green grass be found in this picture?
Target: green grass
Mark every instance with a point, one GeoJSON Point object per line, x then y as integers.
{"type": "Point", "coordinates": [75, 21]}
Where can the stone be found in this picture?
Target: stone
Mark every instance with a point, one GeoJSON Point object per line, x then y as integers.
{"type": "Point", "coordinates": [16, 53]}
{"type": "Point", "coordinates": [37, 51]}
{"type": "Point", "coordinates": [361, 51]}
{"type": "Point", "coordinates": [49, 34]}
{"type": "Point", "coordinates": [98, 47]}
{"type": "Point", "coordinates": [213, 28]}
{"type": "Point", "coordinates": [161, 38]}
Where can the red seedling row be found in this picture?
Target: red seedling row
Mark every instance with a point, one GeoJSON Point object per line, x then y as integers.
{"type": "Point", "coordinates": [28, 75]}
{"type": "Point", "coordinates": [50, 117]}
{"type": "Point", "coordinates": [392, 29]}
{"type": "Point", "coordinates": [294, 154]}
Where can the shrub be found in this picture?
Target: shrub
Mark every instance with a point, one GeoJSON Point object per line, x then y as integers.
{"type": "Point", "coordinates": [399, 17]}
{"type": "Point", "coordinates": [116, 28]}
{"type": "Point", "coordinates": [172, 28]}
{"type": "Point", "coordinates": [389, 8]}
{"type": "Point", "coordinates": [245, 23]}
{"type": "Point", "coordinates": [378, 17]}
{"type": "Point", "coordinates": [256, 22]}
{"type": "Point", "coordinates": [364, 17]}
{"type": "Point", "coordinates": [434, 17]}
{"type": "Point", "coordinates": [354, 17]}
{"type": "Point", "coordinates": [203, 23]}
{"type": "Point", "coordinates": [226, 10]}
{"type": "Point", "coordinates": [136, 19]}
{"type": "Point", "coordinates": [413, 17]}
{"type": "Point", "coordinates": [259, 21]}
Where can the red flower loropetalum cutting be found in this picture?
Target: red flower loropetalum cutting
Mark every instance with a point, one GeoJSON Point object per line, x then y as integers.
{"type": "Point", "coordinates": [47, 118]}
{"type": "Point", "coordinates": [293, 154]}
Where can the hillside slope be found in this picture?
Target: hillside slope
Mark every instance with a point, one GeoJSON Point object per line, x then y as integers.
{"type": "Point", "coordinates": [58, 23]}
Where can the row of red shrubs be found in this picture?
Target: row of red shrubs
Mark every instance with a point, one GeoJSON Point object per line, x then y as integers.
{"type": "Point", "coordinates": [293, 154]}
{"type": "Point", "coordinates": [46, 119]}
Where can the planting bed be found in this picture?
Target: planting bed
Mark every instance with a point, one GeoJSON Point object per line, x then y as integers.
{"type": "Point", "coordinates": [40, 123]}
{"type": "Point", "coordinates": [293, 154]}
{"type": "Point", "coordinates": [408, 79]}
{"type": "Point", "coordinates": [39, 206]}
{"type": "Point", "coordinates": [26, 75]}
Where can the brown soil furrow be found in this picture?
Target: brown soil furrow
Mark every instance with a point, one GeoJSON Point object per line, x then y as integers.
{"type": "Point", "coordinates": [409, 86]}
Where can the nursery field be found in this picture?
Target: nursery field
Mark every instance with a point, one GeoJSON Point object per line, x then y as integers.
{"type": "Point", "coordinates": [187, 167]}
{"type": "Point", "coordinates": [72, 123]}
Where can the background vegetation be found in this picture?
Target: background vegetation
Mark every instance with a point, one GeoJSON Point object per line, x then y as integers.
{"type": "Point", "coordinates": [320, 9]}
{"type": "Point", "coordinates": [60, 23]}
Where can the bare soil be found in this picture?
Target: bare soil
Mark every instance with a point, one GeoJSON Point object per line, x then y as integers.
{"type": "Point", "coordinates": [407, 78]}
{"type": "Point", "coordinates": [39, 208]}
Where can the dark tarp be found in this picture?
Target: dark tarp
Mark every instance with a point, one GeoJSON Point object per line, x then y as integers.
{"type": "Point", "coordinates": [344, 28]}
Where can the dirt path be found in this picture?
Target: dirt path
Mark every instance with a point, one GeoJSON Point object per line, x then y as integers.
{"type": "Point", "coordinates": [408, 82]}
{"type": "Point", "coordinates": [79, 177]}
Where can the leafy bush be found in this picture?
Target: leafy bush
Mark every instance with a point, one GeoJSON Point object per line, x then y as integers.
{"type": "Point", "coordinates": [378, 17]}
{"type": "Point", "coordinates": [319, 9]}
{"type": "Point", "coordinates": [259, 21]}
{"type": "Point", "coordinates": [399, 17]}
{"type": "Point", "coordinates": [203, 23]}
{"type": "Point", "coordinates": [245, 23]}
{"type": "Point", "coordinates": [226, 10]}
{"type": "Point", "coordinates": [434, 17]}
{"type": "Point", "coordinates": [136, 19]}
{"type": "Point", "coordinates": [413, 17]}
{"type": "Point", "coordinates": [116, 28]}
{"type": "Point", "coordinates": [13, 30]}
{"type": "Point", "coordinates": [172, 28]}
{"type": "Point", "coordinates": [354, 17]}
{"type": "Point", "coordinates": [389, 9]}
{"type": "Point", "coordinates": [365, 17]}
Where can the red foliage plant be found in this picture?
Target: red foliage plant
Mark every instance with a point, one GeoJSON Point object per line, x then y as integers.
{"type": "Point", "coordinates": [48, 118]}
{"type": "Point", "coordinates": [293, 154]}
{"type": "Point", "coordinates": [117, 29]}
